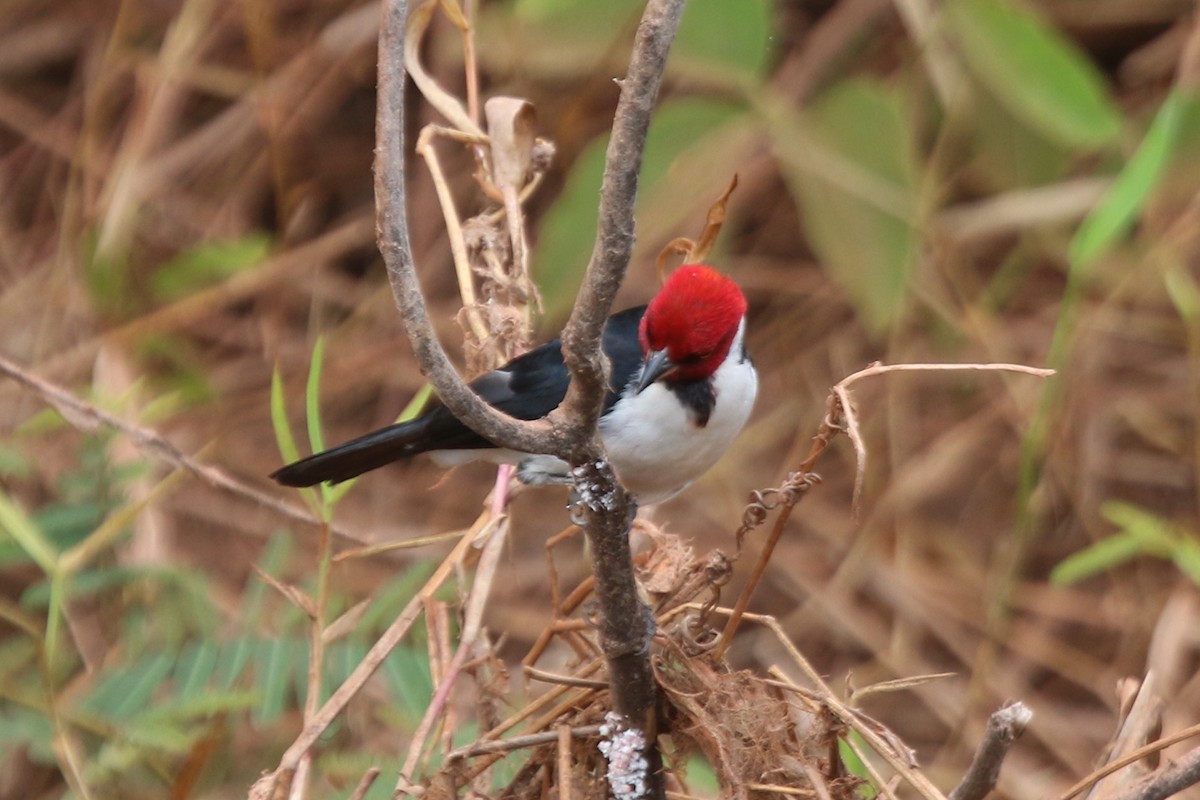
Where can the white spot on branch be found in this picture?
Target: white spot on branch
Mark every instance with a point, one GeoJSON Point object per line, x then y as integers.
{"type": "Point", "coordinates": [624, 748]}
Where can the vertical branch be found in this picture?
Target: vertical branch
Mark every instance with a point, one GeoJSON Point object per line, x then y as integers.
{"type": "Point", "coordinates": [614, 229]}
{"type": "Point", "coordinates": [392, 234]}
{"type": "Point", "coordinates": [627, 625]}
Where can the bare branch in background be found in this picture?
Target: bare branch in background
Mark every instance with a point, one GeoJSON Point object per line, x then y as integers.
{"type": "Point", "coordinates": [1171, 779]}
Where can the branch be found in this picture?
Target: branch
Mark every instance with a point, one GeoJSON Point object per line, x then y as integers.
{"type": "Point", "coordinates": [627, 624]}
{"type": "Point", "coordinates": [614, 229]}
{"type": "Point", "coordinates": [84, 416]}
{"type": "Point", "coordinates": [392, 234]}
{"type": "Point", "coordinates": [1003, 728]}
{"type": "Point", "coordinates": [570, 432]}
{"type": "Point", "coordinates": [1171, 779]}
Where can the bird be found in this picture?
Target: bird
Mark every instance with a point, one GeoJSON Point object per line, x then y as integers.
{"type": "Point", "coordinates": [681, 388]}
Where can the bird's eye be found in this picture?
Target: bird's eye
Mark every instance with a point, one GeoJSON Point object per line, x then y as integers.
{"type": "Point", "coordinates": [698, 357]}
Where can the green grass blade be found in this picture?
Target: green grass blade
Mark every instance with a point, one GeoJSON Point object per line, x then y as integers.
{"type": "Point", "coordinates": [284, 438]}
{"type": "Point", "coordinates": [1101, 557]}
{"type": "Point", "coordinates": [20, 527]}
{"type": "Point", "coordinates": [312, 396]}
{"type": "Point", "coordinates": [1121, 205]}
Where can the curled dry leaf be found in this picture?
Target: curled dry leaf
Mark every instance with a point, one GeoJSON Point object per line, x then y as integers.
{"type": "Point", "coordinates": [712, 225]}
{"type": "Point", "coordinates": [676, 247]}
{"type": "Point", "coordinates": [695, 252]}
{"type": "Point", "coordinates": [512, 122]}
{"type": "Point", "coordinates": [446, 104]}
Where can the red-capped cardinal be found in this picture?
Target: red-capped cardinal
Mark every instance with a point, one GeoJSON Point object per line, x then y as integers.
{"type": "Point", "coordinates": [681, 388]}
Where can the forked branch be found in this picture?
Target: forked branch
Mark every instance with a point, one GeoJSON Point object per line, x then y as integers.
{"type": "Point", "coordinates": [570, 432]}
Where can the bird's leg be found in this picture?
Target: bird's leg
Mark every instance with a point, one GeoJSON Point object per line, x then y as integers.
{"type": "Point", "coordinates": [504, 474]}
{"type": "Point", "coordinates": [544, 471]}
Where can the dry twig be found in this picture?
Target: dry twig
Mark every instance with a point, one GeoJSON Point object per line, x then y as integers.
{"type": "Point", "coordinates": [1171, 779]}
{"type": "Point", "coordinates": [1003, 728]}
{"type": "Point", "coordinates": [87, 417]}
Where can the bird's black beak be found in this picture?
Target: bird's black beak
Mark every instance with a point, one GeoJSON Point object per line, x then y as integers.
{"type": "Point", "coordinates": [658, 364]}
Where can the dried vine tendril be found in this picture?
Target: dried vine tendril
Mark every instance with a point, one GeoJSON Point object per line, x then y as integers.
{"type": "Point", "coordinates": [764, 501]}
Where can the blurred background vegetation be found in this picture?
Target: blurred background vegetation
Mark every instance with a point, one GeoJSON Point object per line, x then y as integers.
{"type": "Point", "coordinates": [186, 204]}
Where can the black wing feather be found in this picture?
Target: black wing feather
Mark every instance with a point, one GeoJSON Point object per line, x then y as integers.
{"type": "Point", "coordinates": [528, 387]}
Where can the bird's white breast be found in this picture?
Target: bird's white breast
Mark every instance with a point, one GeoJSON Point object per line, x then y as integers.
{"type": "Point", "coordinates": [657, 447]}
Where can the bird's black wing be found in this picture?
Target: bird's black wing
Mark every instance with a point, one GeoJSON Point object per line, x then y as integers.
{"type": "Point", "coordinates": [528, 387]}
{"type": "Point", "coordinates": [624, 351]}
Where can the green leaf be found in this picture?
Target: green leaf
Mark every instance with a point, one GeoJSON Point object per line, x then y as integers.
{"type": "Point", "coordinates": [1187, 558]}
{"type": "Point", "coordinates": [276, 663]}
{"type": "Point", "coordinates": [195, 669]}
{"type": "Point", "coordinates": [1007, 153]}
{"type": "Point", "coordinates": [721, 40]}
{"type": "Point", "coordinates": [1140, 533]}
{"type": "Point", "coordinates": [284, 439]}
{"type": "Point", "coordinates": [1184, 293]}
{"type": "Point", "coordinates": [63, 525]}
{"type": "Point", "coordinates": [127, 689]}
{"type": "Point", "coordinates": [1154, 533]}
{"type": "Point", "coordinates": [316, 438]}
{"type": "Point", "coordinates": [89, 582]}
{"type": "Point", "coordinates": [701, 778]}
{"type": "Point", "coordinates": [312, 396]}
{"type": "Point", "coordinates": [200, 705]}
{"type": "Point", "coordinates": [850, 163]}
{"type": "Point", "coordinates": [1115, 214]}
{"type": "Point", "coordinates": [1035, 71]}
{"type": "Point", "coordinates": [148, 733]}
{"type": "Point", "coordinates": [1100, 557]}
{"type": "Point", "coordinates": [209, 263]}
{"type": "Point", "coordinates": [23, 727]}
{"type": "Point", "coordinates": [568, 230]}
{"type": "Point", "coordinates": [236, 655]}
{"type": "Point", "coordinates": [27, 535]}
{"type": "Point", "coordinates": [408, 676]}
{"type": "Point", "coordinates": [855, 766]}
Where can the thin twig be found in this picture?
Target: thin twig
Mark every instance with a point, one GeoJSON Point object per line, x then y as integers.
{"type": "Point", "coordinates": [364, 784]}
{"type": "Point", "coordinates": [472, 624]}
{"type": "Point", "coordinates": [793, 490]}
{"type": "Point", "coordinates": [1003, 728]}
{"type": "Point", "coordinates": [454, 232]}
{"type": "Point", "coordinates": [563, 680]}
{"type": "Point", "coordinates": [563, 767]}
{"type": "Point", "coordinates": [842, 391]}
{"type": "Point", "coordinates": [1171, 779]}
{"type": "Point", "coordinates": [1131, 758]}
{"type": "Point", "coordinates": [87, 417]}
{"type": "Point", "coordinates": [354, 683]}
{"type": "Point", "coordinates": [518, 743]}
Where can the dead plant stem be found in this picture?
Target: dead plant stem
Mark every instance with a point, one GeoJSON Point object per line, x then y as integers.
{"type": "Point", "coordinates": [1131, 758]}
{"type": "Point", "coordinates": [86, 417]}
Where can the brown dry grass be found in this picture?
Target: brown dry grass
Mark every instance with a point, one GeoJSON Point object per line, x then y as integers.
{"type": "Point", "coordinates": [132, 132]}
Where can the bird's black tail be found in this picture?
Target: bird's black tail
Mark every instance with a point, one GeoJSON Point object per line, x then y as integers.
{"type": "Point", "coordinates": [357, 456]}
